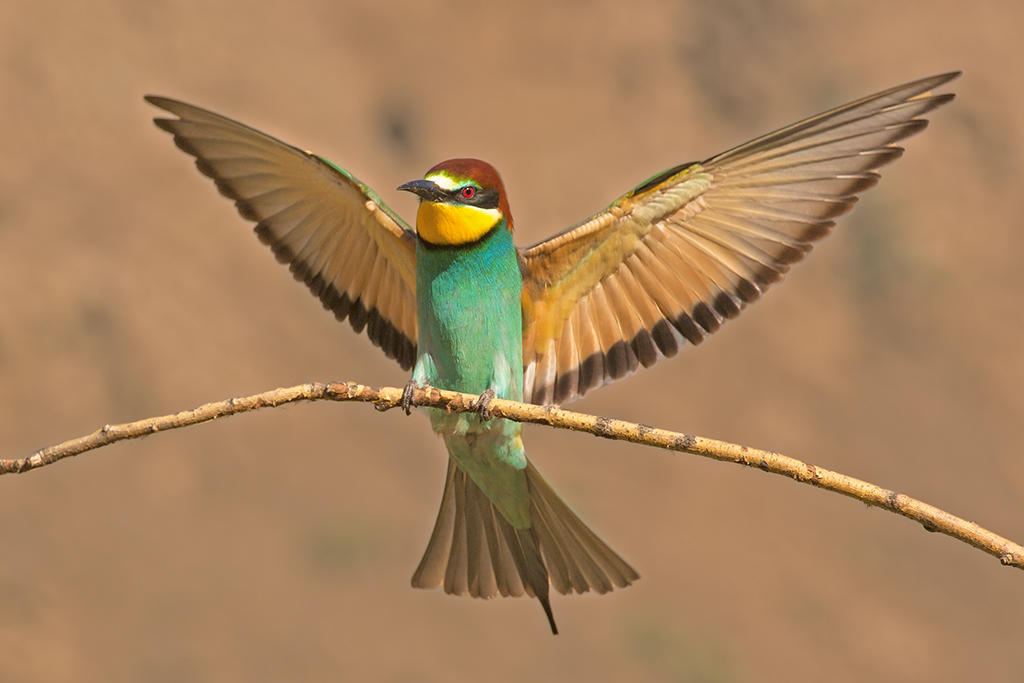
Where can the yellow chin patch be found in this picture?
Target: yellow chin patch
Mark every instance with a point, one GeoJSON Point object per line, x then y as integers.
{"type": "Point", "coordinates": [452, 224]}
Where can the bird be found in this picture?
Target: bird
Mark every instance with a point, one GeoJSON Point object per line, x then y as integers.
{"type": "Point", "coordinates": [453, 299]}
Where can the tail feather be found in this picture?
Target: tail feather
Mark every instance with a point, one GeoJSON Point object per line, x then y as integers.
{"type": "Point", "coordinates": [497, 561]}
{"type": "Point", "coordinates": [589, 558]}
{"type": "Point", "coordinates": [431, 570]}
{"type": "Point", "coordinates": [481, 534]}
{"type": "Point", "coordinates": [456, 577]}
{"type": "Point", "coordinates": [473, 550]}
{"type": "Point", "coordinates": [525, 551]}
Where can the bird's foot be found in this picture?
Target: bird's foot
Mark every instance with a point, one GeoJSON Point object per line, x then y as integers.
{"type": "Point", "coordinates": [482, 406]}
{"type": "Point", "coordinates": [407, 392]}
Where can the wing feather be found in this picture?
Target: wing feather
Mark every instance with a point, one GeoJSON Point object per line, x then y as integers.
{"type": "Point", "coordinates": [687, 249]}
{"type": "Point", "coordinates": [334, 233]}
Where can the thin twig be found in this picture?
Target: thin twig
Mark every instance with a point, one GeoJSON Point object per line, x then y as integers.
{"type": "Point", "coordinates": [385, 398]}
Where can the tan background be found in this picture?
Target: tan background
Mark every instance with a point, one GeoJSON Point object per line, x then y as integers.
{"type": "Point", "coordinates": [278, 546]}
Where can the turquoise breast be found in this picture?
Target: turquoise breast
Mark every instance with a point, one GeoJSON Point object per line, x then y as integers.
{"type": "Point", "coordinates": [470, 312]}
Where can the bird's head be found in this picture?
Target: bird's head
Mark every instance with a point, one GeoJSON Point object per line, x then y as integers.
{"type": "Point", "coordinates": [461, 200]}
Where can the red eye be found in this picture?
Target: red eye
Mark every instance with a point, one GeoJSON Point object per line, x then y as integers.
{"type": "Point", "coordinates": [468, 192]}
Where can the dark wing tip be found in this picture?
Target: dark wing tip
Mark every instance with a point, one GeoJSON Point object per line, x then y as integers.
{"type": "Point", "coordinates": [168, 104]}
{"type": "Point", "coordinates": [924, 85]}
{"type": "Point", "coordinates": [942, 98]}
{"type": "Point", "coordinates": [165, 124]}
{"type": "Point", "coordinates": [942, 79]}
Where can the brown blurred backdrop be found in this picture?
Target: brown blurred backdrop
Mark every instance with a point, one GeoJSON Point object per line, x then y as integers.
{"type": "Point", "coordinates": [278, 546]}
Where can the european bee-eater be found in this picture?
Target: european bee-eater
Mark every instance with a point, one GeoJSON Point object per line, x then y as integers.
{"type": "Point", "coordinates": [662, 266]}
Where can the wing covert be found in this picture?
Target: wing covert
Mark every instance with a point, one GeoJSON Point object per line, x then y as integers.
{"type": "Point", "coordinates": [335, 234]}
{"type": "Point", "coordinates": [668, 262]}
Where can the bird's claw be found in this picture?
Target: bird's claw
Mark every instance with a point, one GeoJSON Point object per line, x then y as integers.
{"type": "Point", "coordinates": [407, 392]}
{"type": "Point", "coordinates": [482, 406]}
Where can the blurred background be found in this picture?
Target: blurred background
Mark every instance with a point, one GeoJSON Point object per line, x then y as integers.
{"type": "Point", "coordinates": [279, 545]}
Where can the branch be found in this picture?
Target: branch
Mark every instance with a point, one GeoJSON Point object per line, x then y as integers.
{"type": "Point", "coordinates": [932, 518]}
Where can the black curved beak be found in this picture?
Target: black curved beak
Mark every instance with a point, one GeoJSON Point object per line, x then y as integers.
{"type": "Point", "coordinates": [426, 190]}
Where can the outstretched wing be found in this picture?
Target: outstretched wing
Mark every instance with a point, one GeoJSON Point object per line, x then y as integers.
{"type": "Point", "coordinates": [335, 234]}
{"type": "Point", "coordinates": [671, 260]}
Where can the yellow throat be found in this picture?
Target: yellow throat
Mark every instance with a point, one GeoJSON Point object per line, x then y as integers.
{"type": "Point", "coordinates": [451, 224]}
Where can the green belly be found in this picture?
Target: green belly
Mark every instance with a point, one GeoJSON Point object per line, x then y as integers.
{"type": "Point", "coordinates": [470, 326]}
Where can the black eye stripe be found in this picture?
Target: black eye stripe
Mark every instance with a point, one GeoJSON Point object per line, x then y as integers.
{"type": "Point", "coordinates": [485, 199]}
